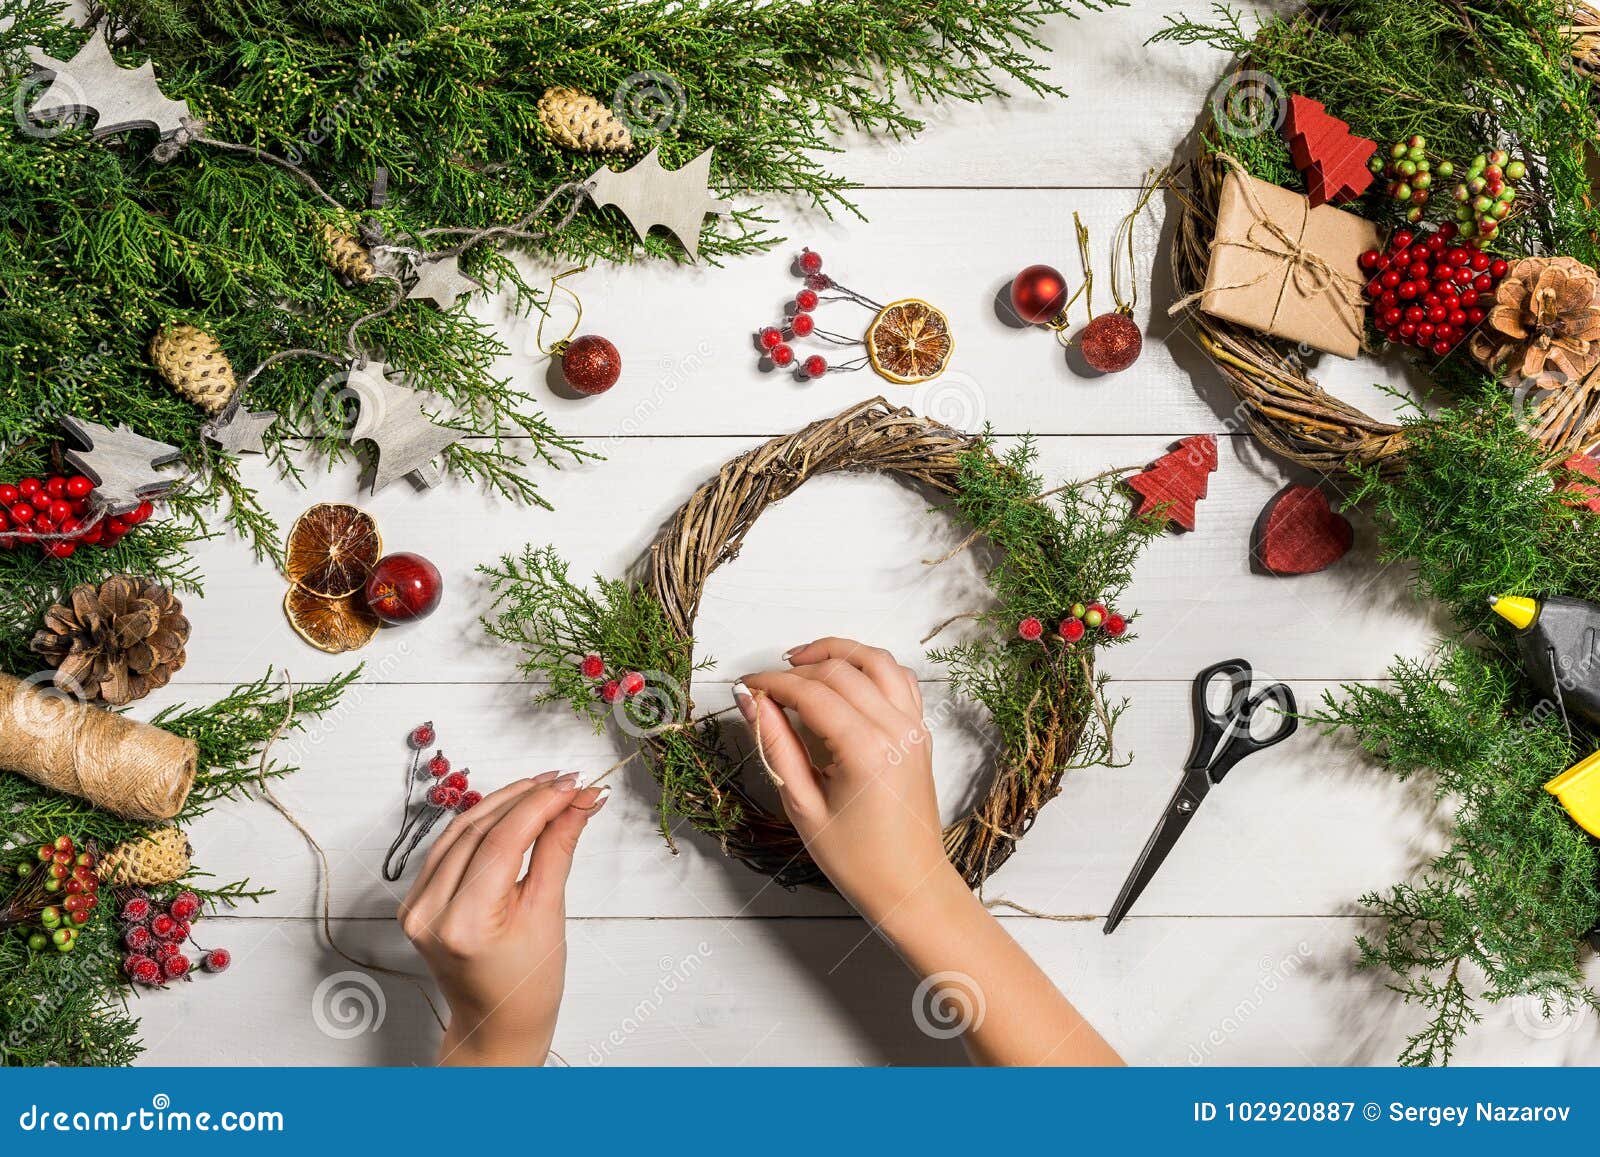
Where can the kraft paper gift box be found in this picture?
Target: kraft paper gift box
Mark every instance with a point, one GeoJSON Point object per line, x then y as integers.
{"type": "Point", "coordinates": [1287, 268]}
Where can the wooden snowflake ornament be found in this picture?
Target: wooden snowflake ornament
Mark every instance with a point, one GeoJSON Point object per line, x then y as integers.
{"type": "Point", "coordinates": [392, 417]}
{"type": "Point", "coordinates": [1176, 481]}
{"type": "Point", "coordinates": [120, 98]}
{"type": "Point", "coordinates": [125, 467]}
{"type": "Point", "coordinates": [650, 195]}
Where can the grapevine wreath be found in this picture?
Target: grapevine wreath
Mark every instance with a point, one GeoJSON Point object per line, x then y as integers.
{"type": "Point", "coordinates": [623, 651]}
{"type": "Point", "coordinates": [1420, 172]}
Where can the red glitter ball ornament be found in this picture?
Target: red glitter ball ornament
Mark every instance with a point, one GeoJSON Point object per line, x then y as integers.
{"type": "Point", "coordinates": [1038, 294]}
{"type": "Point", "coordinates": [591, 364]}
{"type": "Point", "coordinates": [1111, 342]}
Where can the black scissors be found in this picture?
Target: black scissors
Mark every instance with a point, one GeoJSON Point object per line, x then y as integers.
{"type": "Point", "coordinates": [1222, 739]}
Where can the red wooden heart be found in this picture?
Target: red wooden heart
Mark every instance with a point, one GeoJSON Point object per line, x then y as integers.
{"type": "Point", "coordinates": [1300, 533]}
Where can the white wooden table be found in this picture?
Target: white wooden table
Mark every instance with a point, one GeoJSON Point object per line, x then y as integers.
{"type": "Point", "coordinates": [1241, 951]}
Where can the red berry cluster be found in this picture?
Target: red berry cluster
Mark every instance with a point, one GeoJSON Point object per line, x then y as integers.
{"type": "Point", "coordinates": [59, 889]}
{"type": "Point", "coordinates": [774, 340]}
{"type": "Point", "coordinates": [55, 514]}
{"type": "Point", "coordinates": [1429, 292]}
{"type": "Point", "coordinates": [1079, 621]}
{"type": "Point", "coordinates": [624, 685]}
{"type": "Point", "coordinates": [153, 936]}
{"type": "Point", "coordinates": [450, 789]}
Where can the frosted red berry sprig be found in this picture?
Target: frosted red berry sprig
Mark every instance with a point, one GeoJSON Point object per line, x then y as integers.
{"type": "Point", "coordinates": [776, 342]}
{"type": "Point", "coordinates": [154, 934]}
{"type": "Point", "coordinates": [610, 686]}
{"type": "Point", "coordinates": [450, 793]}
{"type": "Point", "coordinates": [1077, 623]}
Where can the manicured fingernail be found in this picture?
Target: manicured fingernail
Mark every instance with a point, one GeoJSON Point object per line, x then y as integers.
{"type": "Point", "coordinates": [568, 782]}
{"type": "Point", "coordinates": [544, 777]}
{"type": "Point", "coordinates": [744, 701]}
{"type": "Point", "coordinates": [600, 800]}
{"type": "Point", "coordinates": [788, 656]}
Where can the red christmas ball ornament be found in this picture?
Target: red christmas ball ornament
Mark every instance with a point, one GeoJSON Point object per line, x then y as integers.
{"type": "Point", "coordinates": [1038, 294]}
{"type": "Point", "coordinates": [591, 364]}
{"type": "Point", "coordinates": [1111, 342]}
{"type": "Point", "coordinates": [404, 587]}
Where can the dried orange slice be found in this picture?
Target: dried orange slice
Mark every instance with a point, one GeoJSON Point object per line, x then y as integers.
{"type": "Point", "coordinates": [331, 625]}
{"type": "Point", "coordinates": [909, 342]}
{"type": "Point", "coordinates": [331, 550]}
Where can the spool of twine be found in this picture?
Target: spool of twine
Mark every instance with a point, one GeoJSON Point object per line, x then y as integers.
{"type": "Point", "coordinates": [116, 763]}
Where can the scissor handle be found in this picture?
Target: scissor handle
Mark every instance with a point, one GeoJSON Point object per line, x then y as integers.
{"type": "Point", "coordinates": [1211, 726]}
{"type": "Point", "coordinates": [1242, 743]}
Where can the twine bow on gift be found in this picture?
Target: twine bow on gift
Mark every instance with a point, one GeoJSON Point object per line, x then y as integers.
{"type": "Point", "coordinates": [1309, 272]}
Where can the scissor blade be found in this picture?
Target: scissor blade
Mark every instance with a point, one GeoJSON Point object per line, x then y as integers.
{"type": "Point", "coordinates": [1185, 802]}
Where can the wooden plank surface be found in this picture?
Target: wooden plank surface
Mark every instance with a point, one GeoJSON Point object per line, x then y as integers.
{"type": "Point", "coordinates": [1240, 953]}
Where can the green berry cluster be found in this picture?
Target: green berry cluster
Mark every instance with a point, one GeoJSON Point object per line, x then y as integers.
{"type": "Point", "coordinates": [55, 894]}
{"type": "Point", "coordinates": [1410, 172]}
{"type": "Point", "coordinates": [1485, 198]}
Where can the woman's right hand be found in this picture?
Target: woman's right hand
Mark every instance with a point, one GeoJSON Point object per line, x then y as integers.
{"type": "Point", "coordinates": [868, 815]}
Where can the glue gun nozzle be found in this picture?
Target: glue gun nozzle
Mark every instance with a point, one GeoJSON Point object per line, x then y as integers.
{"type": "Point", "coordinates": [1514, 609]}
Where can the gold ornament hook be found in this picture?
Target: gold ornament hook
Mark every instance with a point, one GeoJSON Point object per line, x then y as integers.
{"type": "Point", "coordinates": [557, 348]}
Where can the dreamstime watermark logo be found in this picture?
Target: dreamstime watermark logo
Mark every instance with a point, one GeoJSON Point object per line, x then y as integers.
{"type": "Point", "coordinates": [650, 103]}
{"type": "Point", "coordinates": [46, 703]}
{"type": "Point", "coordinates": [955, 400]}
{"type": "Point", "coordinates": [1550, 1009]}
{"type": "Point", "coordinates": [661, 703]}
{"type": "Point", "coordinates": [947, 1004]}
{"type": "Point", "coordinates": [675, 974]}
{"type": "Point", "coordinates": [1248, 103]}
{"type": "Point", "coordinates": [348, 1004]}
{"type": "Point", "coordinates": [68, 104]}
{"type": "Point", "coordinates": [1274, 972]}
{"type": "Point", "coordinates": [1531, 395]}
{"type": "Point", "coordinates": [675, 373]}
{"type": "Point", "coordinates": [335, 405]}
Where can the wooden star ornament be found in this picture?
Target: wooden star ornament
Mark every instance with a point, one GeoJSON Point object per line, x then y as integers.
{"type": "Point", "coordinates": [392, 418]}
{"type": "Point", "coordinates": [442, 282]}
{"type": "Point", "coordinates": [650, 195]}
{"type": "Point", "coordinates": [125, 467]}
{"type": "Point", "coordinates": [121, 98]}
{"type": "Point", "coordinates": [241, 431]}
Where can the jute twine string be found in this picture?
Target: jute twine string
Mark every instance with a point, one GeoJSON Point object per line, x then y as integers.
{"type": "Point", "coordinates": [133, 769]}
{"type": "Point", "coordinates": [325, 878]}
{"type": "Point", "coordinates": [709, 529]}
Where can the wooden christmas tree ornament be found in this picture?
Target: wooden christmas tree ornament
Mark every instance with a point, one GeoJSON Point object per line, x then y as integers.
{"type": "Point", "coordinates": [193, 363]}
{"type": "Point", "coordinates": [1299, 533]}
{"type": "Point", "coordinates": [577, 121]}
{"type": "Point", "coordinates": [1176, 481]}
{"type": "Point", "coordinates": [160, 856]}
{"type": "Point", "coordinates": [1332, 159]}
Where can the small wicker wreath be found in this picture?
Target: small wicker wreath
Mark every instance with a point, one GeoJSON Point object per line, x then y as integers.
{"type": "Point", "coordinates": [708, 530]}
{"type": "Point", "coordinates": [1279, 401]}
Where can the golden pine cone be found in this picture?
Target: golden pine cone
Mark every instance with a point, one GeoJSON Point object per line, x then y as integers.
{"type": "Point", "coordinates": [577, 121]}
{"type": "Point", "coordinates": [1545, 317]}
{"type": "Point", "coordinates": [117, 642]}
{"type": "Point", "coordinates": [160, 856]}
{"type": "Point", "coordinates": [345, 255]}
{"type": "Point", "coordinates": [193, 364]}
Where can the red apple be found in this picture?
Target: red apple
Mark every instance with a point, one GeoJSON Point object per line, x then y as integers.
{"type": "Point", "coordinates": [403, 588]}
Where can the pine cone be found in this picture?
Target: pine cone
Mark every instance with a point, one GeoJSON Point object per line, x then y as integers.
{"type": "Point", "coordinates": [577, 121]}
{"type": "Point", "coordinates": [116, 642]}
{"type": "Point", "coordinates": [346, 256]}
{"type": "Point", "coordinates": [1546, 316]}
{"type": "Point", "coordinates": [193, 364]}
{"type": "Point", "coordinates": [160, 856]}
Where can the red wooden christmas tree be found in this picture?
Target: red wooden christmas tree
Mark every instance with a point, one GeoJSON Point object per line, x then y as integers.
{"type": "Point", "coordinates": [1332, 159]}
{"type": "Point", "coordinates": [1575, 490]}
{"type": "Point", "coordinates": [1177, 480]}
